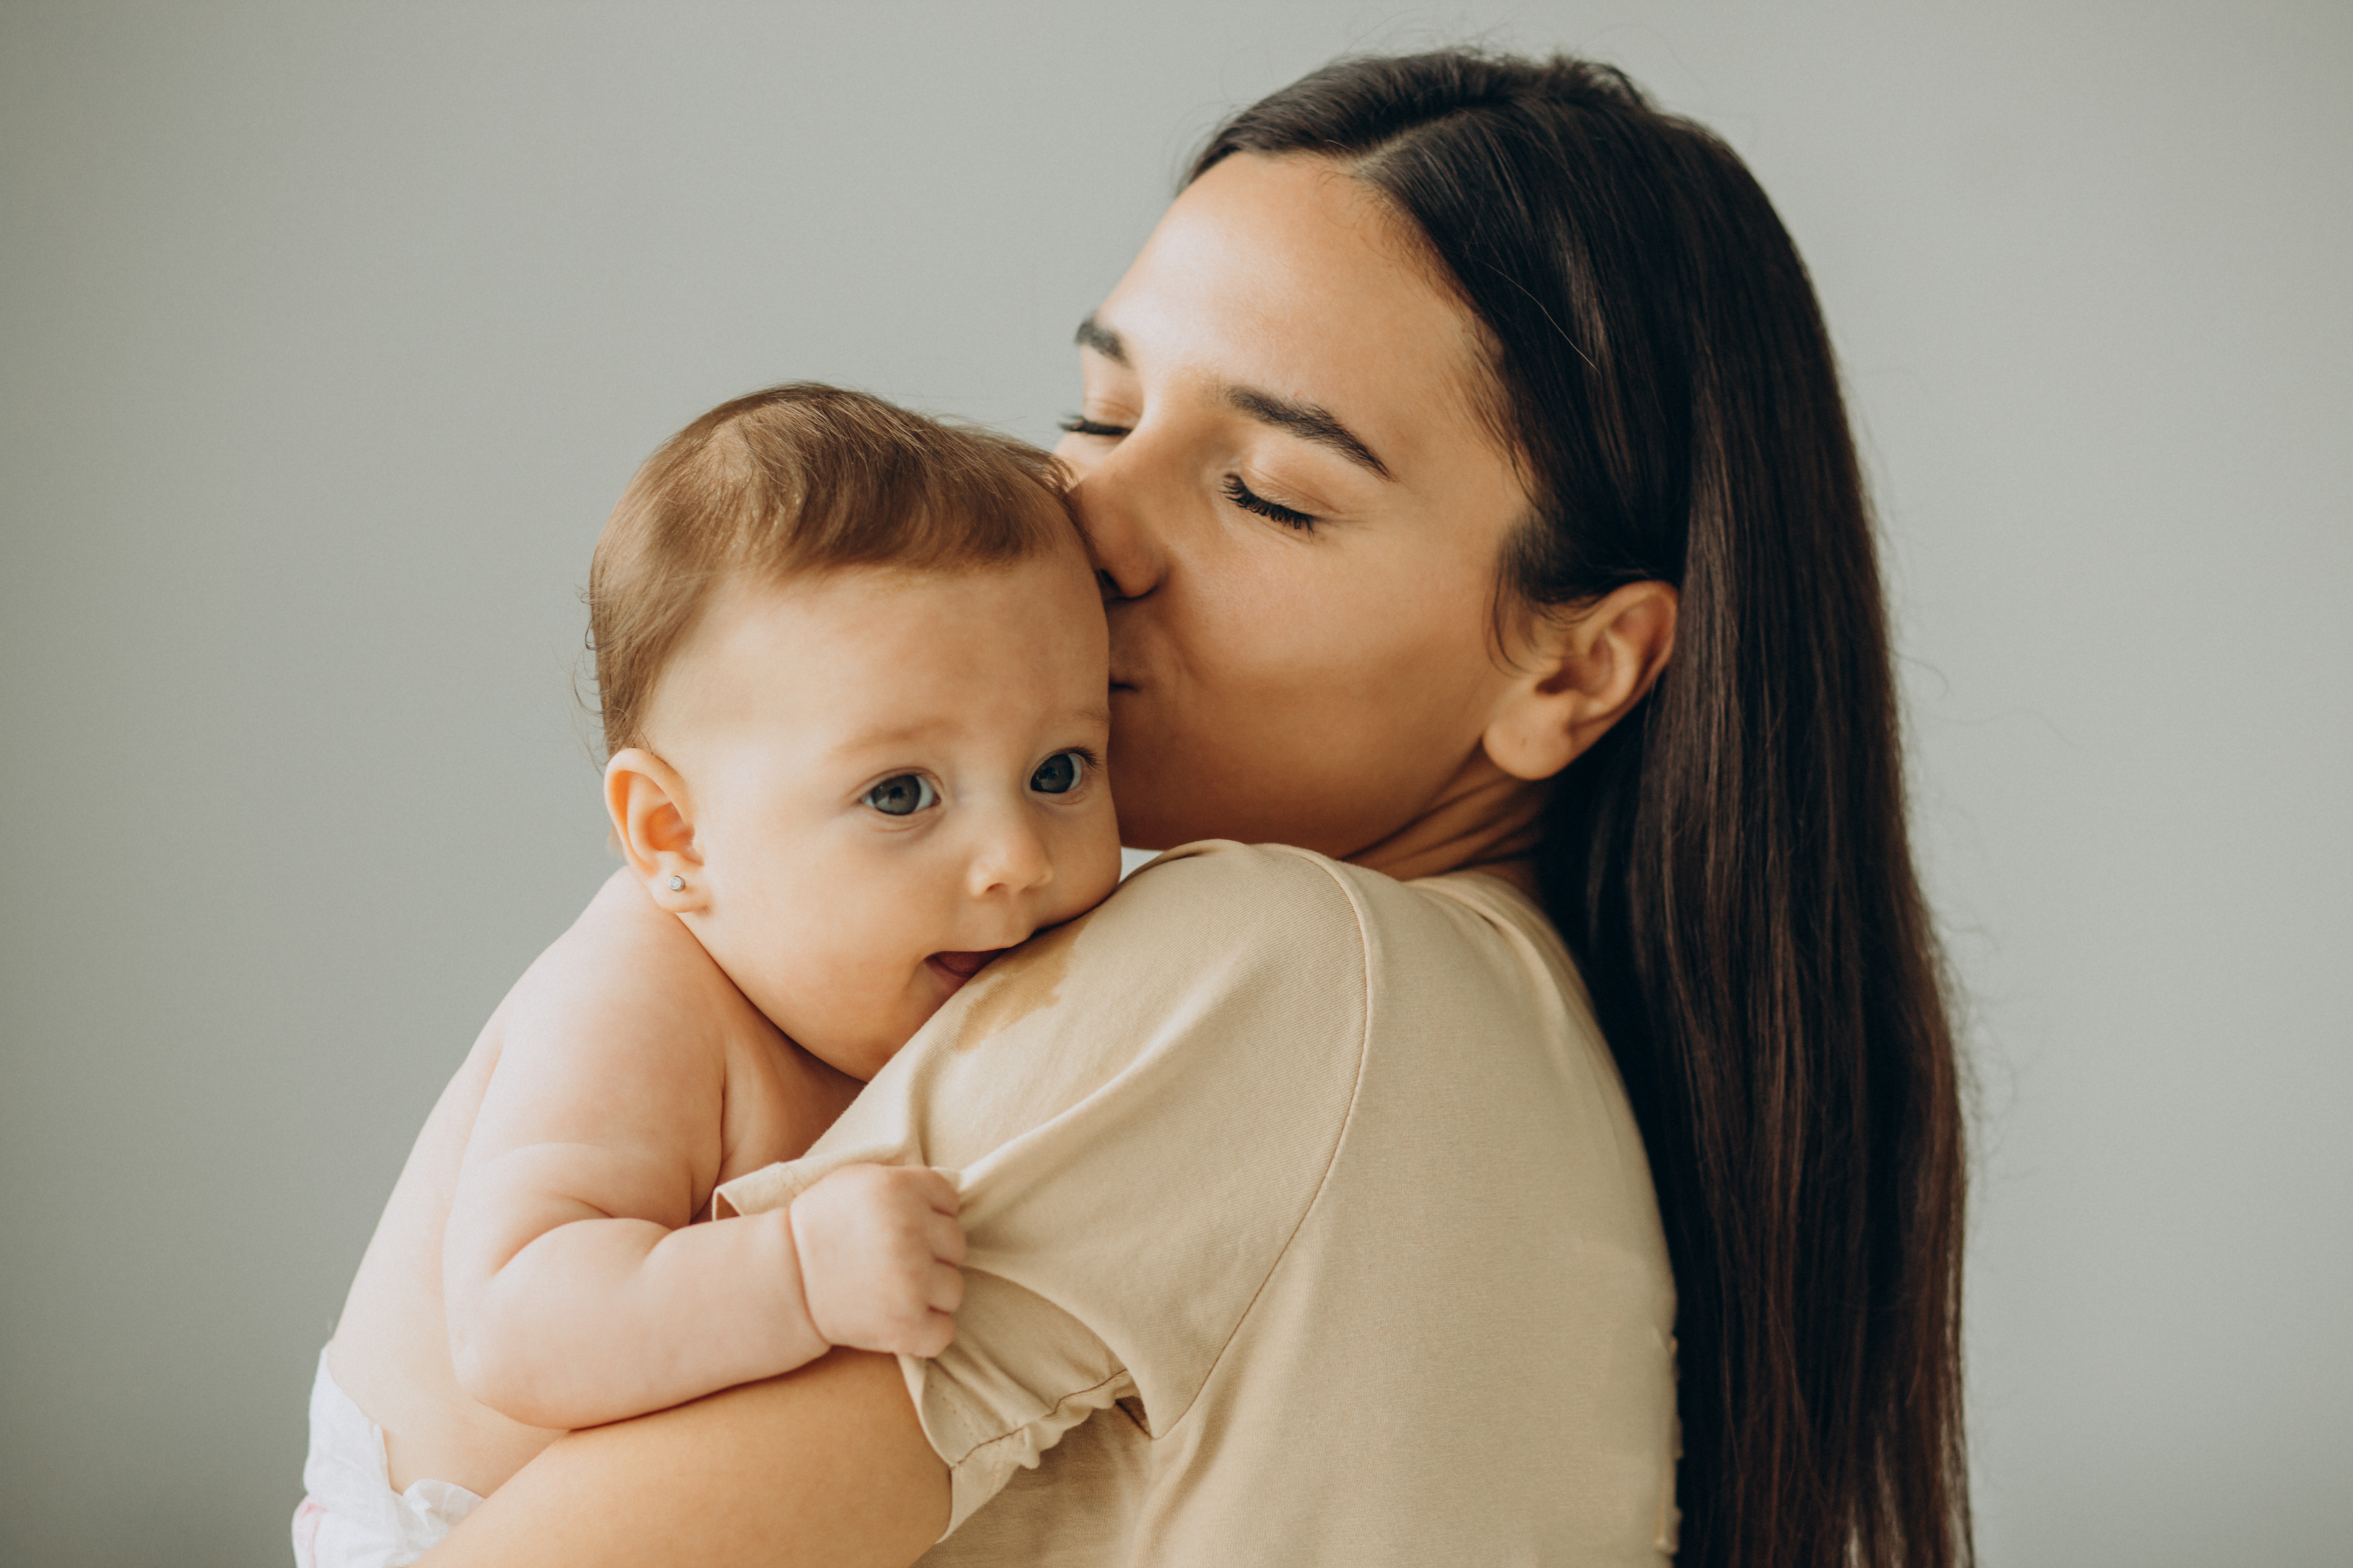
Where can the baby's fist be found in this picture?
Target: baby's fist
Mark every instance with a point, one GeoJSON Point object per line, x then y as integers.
{"type": "Point", "coordinates": [879, 1248]}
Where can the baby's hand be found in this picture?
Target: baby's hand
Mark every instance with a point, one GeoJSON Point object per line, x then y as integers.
{"type": "Point", "coordinates": [879, 1248]}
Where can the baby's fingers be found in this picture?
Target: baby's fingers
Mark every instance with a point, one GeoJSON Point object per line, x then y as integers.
{"type": "Point", "coordinates": [931, 1337]}
{"type": "Point", "coordinates": [943, 1288]}
{"type": "Point", "coordinates": [931, 1187]}
{"type": "Point", "coordinates": [945, 1238]}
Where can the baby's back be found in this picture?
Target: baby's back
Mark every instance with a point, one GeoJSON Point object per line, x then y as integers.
{"type": "Point", "coordinates": [745, 1097]}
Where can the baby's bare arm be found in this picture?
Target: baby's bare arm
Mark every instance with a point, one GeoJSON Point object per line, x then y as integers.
{"type": "Point", "coordinates": [575, 1292]}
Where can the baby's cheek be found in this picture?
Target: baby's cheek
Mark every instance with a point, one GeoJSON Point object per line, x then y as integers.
{"type": "Point", "coordinates": [1095, 869]}
{"type": "Point", "coordinates": [861, 927]}
{"type": "Point", "coordinates": [875, 1000]}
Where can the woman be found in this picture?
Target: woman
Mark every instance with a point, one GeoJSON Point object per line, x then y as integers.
{"type": "Point", "coordinates": [1467, 472]}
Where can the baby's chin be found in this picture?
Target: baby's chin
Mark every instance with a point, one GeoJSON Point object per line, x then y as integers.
{"type": "Point", "coordinates": [937, 977]}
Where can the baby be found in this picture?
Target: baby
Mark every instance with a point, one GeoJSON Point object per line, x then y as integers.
{"type": "Point", "coordinates": [852, 666]}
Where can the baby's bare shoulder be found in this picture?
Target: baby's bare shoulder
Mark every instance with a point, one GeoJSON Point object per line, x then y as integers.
{"type": "Point", "coordinates": [617, 1039]}
{"type": "Point", "coordinates": [625, 980]}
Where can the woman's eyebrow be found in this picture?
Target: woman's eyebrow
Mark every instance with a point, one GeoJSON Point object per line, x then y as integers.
{"type": "Point", "coordinates": [1102, 340]}
{"type": "Point", "coordinates": [1307, 421]}
{"type": "Point", "coordinates": [1304, 420]}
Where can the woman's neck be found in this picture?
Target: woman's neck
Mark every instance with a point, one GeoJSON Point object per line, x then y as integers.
{"type": "Point", "coordinates": [1484, 819]}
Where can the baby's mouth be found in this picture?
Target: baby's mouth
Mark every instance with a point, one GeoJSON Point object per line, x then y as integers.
{"type": "Point", "coordinates": [959, 967]}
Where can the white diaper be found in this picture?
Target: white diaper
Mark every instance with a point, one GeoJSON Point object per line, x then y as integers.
{"type": "Point", "coordinates": [353, 1517]}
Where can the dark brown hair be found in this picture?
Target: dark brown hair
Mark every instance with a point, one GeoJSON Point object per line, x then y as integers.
{"type": "Point", "coordinates": [1730, 863]}
{"type": "Point", "coordinates": [800, 478]}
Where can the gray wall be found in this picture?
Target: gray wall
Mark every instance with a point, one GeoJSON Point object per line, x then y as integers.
{"type": "Point", "coordinates": [328, 333]}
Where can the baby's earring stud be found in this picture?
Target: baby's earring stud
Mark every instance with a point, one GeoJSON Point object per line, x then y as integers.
{"type": "Point", "coordinates": [678, 884]}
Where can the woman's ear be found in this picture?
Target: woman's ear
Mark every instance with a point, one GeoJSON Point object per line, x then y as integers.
{"type": "Point", "coordinates": [1584, 671]}
{"type": "Point", "coordinates": [648, 802]}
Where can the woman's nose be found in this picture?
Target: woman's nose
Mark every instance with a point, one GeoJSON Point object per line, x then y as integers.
{"type": "Point", "coordinates": [1128, 558]}
{"type": "Point", "coordinates": [1010, 860]}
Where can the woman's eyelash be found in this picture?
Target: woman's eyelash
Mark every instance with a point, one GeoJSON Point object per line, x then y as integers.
{"type": "Point", "coordinates": [1242, 496]}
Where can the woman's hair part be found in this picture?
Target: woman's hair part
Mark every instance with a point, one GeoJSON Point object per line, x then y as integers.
{"type": "Point", "coordinates": [1731, 863]}
{"type": "Point", "coordinates": [796, 480]}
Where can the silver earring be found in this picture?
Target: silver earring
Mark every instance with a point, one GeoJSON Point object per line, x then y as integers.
{"type": "Point", "coordinates": [678, 884]}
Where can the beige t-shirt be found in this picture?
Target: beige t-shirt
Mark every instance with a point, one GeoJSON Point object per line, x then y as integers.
{"type": "Point", "coordinates": [1307, 1216]}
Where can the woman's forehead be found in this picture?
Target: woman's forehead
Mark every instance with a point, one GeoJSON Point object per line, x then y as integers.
{"type": "Point", "coordinates": [1291, 275]}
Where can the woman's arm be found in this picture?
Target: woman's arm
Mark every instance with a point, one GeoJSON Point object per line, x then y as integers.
{"type": "Point", "coordinates": [825, 1465]}
{"type": "Point", "coordinates": [1074, 1089]}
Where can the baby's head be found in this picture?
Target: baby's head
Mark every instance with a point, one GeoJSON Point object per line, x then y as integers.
{"type": "Point", "coordinates": [854, 677]}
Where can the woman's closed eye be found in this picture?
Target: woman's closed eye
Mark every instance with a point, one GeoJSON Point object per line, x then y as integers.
{"type": "Point", "coordinates": [1080, 425]}
{"type": "Point", "coordinates": [1242, 496]}
{"type": "Point", "coordinates": [902, 795]}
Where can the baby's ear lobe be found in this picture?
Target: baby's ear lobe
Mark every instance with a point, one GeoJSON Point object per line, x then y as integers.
{"type": "Point", "coordinates": [647, 800]}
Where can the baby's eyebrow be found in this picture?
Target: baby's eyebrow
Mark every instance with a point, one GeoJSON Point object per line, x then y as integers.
{"type": "Point", "coordinates": [892, 734]}
{"type": "Point", "coordinates": [1308, 422]}
{"type": "Point", "coordinates": [891, 738]}
{"type": "Point", "coordinates": [916, 733]}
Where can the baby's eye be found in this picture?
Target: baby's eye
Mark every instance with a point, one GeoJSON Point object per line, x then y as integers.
{"type": "Point", "coordinates": [1060, 773]}
{"type": "Point", "coordinates": [903, 796]}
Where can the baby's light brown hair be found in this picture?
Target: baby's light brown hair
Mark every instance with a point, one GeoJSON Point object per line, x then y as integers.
{"type": "Point", "coordinates": [800, 478]}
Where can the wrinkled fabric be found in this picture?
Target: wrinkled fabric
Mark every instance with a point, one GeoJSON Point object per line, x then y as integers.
{"type": "Point", "coordinates": [351, 1518]}
{"type": "Point", "coordinates": [1308, 1224]}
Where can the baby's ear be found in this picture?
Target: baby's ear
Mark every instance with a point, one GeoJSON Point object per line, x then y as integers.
{"type": "Point", "coordinates": [654, 829]}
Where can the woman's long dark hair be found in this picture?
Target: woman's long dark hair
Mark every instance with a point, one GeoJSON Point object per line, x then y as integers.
{"type": "Point", "coordinates": [1730, 863]}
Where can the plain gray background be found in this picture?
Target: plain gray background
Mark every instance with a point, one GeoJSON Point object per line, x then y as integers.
{"type": "Point", "coordinates": [329, 333]}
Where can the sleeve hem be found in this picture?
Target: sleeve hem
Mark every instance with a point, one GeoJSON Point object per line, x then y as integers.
{"type": "Point", "coordinates": [769, 1187]}
{"type": "Point", "coordinates": [978, 1466]}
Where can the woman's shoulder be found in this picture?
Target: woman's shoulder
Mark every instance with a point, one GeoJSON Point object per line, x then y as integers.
{"type": "Point", "coordinates": [1244, 899]}
{"type": "Point", "coordinates": [1246, 878]}
{"type": "Point", "coordinates": [1247, 888]}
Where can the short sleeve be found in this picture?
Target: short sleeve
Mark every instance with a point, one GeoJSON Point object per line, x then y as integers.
{"type": "Point", "coordinates": [1140, 1109]}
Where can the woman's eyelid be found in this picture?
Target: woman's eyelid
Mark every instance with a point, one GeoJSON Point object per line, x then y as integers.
{"type": "Point", "coordinates": [1303, 475]}
{"type": "Point", "coordinates": [1101, 403]}
{"type": "Point", "coordinates": [1109, 397]}
{"type": "Point", "coordinates": [1244, 495]}
{"type": "Point", "coordinates": [1294, 506]}
{"type": "Point", "coordinates": [1284, 492]}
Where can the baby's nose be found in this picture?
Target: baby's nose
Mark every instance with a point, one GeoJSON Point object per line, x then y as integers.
{"type": "Point", "coordinates": [1011, 859]}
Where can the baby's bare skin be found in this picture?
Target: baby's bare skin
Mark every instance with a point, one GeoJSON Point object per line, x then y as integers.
{"type": "Point", "coordinates": [574, 1045]}
{"type": "Point", "coordinates": [854, 791]}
